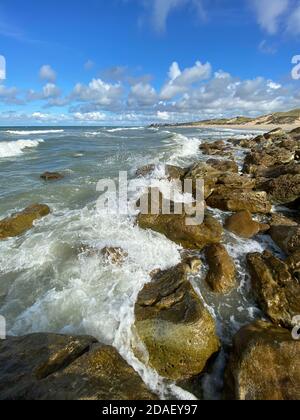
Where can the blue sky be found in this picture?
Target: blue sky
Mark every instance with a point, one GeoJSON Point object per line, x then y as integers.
{"type": "Point", "coordinates": [140, 61]}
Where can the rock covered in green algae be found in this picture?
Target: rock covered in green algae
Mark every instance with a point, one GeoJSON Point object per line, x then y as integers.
{"type": "Point", "coordinates": [176, 329]}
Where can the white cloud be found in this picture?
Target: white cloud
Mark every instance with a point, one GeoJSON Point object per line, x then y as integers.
{"type": "Point", "coordinates": [90, 116]}
{"type": "Point", "coordinates": [161, 9]}
{"type": "Point", "coordinates": [181, 80]}
{"type": "Point", "coordinates": [269, 13]}
{"type": "Point", "coordinates": [47, 73]}
{"type": "Point", "coordinates": [142, 94]}
{"type": "Point", "coordinates": [98, 92]}
{"type": "Point", "coordinates": [163, 115]}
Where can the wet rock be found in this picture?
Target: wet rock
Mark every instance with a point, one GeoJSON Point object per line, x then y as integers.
{"type": "Point", "coordinates": [175, 172]}
{"type": "Point", "coordinates": [178, 332]}
{"type": "Point", "coordinates": [204, 172]}
{"type": "Point", "coordinates": [114, 255]}
{"type": "Point", "coordinates": [52, 176]}
{"type": "Point", "coordinates": [243, 225]}
{"type": "Point", "coordinates": [275, 287]}
{"type": "Point", "coordinates": [175, 228]}
{"type": "Point", "coordinates": [227, 199]}
{"type": "Point", "coordinates": [263, 365]}
{"type": "Point", "coordinates": [284, 189]}
{"type": "Point", "coordinates": [19, 223]}
{"type": "Point", "coordinates": [286, 237]}
{"type": "Point", "coordinates": [222, 272]}
{"type": "Point", "coordinates": [279, 219]}
{"type": "Point", "coordinates": [224, 165]}
{"type": "Point", "coordinates": [56, 367]}
{"type": "Point", "coordinates": [145, 170]}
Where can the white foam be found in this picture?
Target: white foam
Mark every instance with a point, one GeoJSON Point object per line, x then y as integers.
{"type": "Point", "coordinates": [187, 147]}
{"type": "Point", "coordinates": [30, 132]}
{"type": "Point", "coordinates": [115, 130]}
{"type": "Point", "coordinates": [16, 148]}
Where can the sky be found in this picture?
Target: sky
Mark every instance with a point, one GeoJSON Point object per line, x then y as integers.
{"type": "Point", "coordinates": [134, 62]}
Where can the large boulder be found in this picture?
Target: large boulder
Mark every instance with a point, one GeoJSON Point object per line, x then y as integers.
{"type": "Point", "coordinates": [284, 189]}
{"type": "Point", "coordinates": [221, 276]}
{"type": "Point", "coordinates": [175, 226]}
{"type": "Point", "coordinates": [205, 172]}
{"type": "Point", "coordinates": [242, 224]}
{"type": "Point", "coordinates": [236, 181]}
{"type": "Point", "coordinates": [275, 287]}
{"type": "Point", "coordinates": [292, 168]}
{"type": "Point", "coordinates": [178, 332]}
{"type": "Point", "coordinates": [57, 367]}
{"type": "Point", "coordinates": [20, 222]}
{"type": "Point", "coordinates": [264, 364]}
{"type": "Point", "coordinates": [218, 148]}
{"type": "Point", "coordinates": [287, 237]}
{"type": "Point", "coordinates": [267, 158]}
{"type": "Point", "coordinates": [224, 165]}
{"type": "Point", "coordinates": [228, 199]}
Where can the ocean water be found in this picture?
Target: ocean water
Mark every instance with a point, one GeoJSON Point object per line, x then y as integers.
{"type": "Point", "coordinates": [48, 285]}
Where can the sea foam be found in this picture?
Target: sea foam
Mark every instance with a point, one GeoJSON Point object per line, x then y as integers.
{"type": "Point", "coordinates": [16, 148]}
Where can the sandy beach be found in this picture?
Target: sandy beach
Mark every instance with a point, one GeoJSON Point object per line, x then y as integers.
{"type": "Point", "coordinates": [264, 127]}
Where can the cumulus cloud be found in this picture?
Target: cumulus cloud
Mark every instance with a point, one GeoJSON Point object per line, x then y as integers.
{"type": "Point", "coordinates": [294, 21]}
{"type": "Point", "coordinates": [179, 81]}
{"type": "Point", "coordinates": [90, 116]}
{"type": "Point", "coordinates": [98, 92]}
{"type": "Point", "coordinates": [47, 73]}
{"type": "Point", "coordinates": [142, 94]}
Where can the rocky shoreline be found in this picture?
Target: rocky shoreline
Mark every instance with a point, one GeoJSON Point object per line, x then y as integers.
{"type": "Point", "coordinates": [178, 334]}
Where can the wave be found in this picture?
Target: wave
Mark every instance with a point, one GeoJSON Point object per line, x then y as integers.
{"type": "Point", "coordinates": [15, 148]}
{"type": "Point", "coordinates": [28, 133]}
{"type": "Point", "coordinates": [115, 130]}
{"type": "Point", "coordinates": [188, 147]}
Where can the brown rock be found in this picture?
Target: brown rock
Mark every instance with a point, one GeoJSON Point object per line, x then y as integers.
{"type": "Point", "coordinates": [222, 273]}
{"type": "Point", "coordinates": [275, 287]}
{"type": "Point", "coordinates": [176, 329]}
{"type": "Point", "coordinates": [145, 170]}
{"type": "Point", "coordinates": [114, 255]}
{"type": "Point", "coordinates": [286, 237]}
{"type": "Point", "coordinates": [20, 222]}
{"type": "Point", "coordinates": [224, 165]}
{"type": "Point", "coordinates": [52, 176]}
{"type": "Point", "coordinates": [227, 199]}
{"type": "Point", "coordinates": [284, 189]}
{"type": "Point", "coordinates": [243, 225]}
{"type": "Point", "coordinates": [55, 367]}
{"type": "Point", "coordinates": [264, 364]}
{"type": "Point", "coordinates": [206, 173]}
{"type": "Point", "coordinates": [237, 181]}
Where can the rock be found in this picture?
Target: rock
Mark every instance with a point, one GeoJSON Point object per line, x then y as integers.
{"type": "Point", "coordinates": [243, 225]}
{"type": "Point", "coordinates": [227, 199]}
{"type": "Point", "coordinates": [175, 327]}
{"type": "Point", "coordinates": [175, 228]}
{"type": "Point", "coordinates": [206, 173]}
{"type": "Point", "coordinates": [286, 237]}
{"type": "Point", "coordinates": [145, 170]}
{"type": "Point", "coordinates": [278, 219]}
{"type": "Point", "coordinates": [283, 190]}
{"type": "Point", "coordinates": [192, 263]}
{"type": "Point", "coordinates": [57, 367]}
{"type": "Point", "coordinates": [267, 158]}
{"type": "Point", "coordinates": [114, 255]}
{"type": "Point", "coordinates": [175, 172]}
{"type": "Point", "coordinates": [20, 222]}
{"type": "Point", "coordinates": [275, 287]}
{"type": "Point", "coordinates": [264, 364]}
{"type": "Point", "coordinates": [52, 176]}
{"type": "Point", "coordinates": [276, 171]}
{"type": "Point", "coordinates": [237, 181]}
{"type": "Point", "coordinates": [222, 273]}
{"type": "Point", "coordinates": [224, 165]}
{"type": "Point", "coordinates": [218, 147]}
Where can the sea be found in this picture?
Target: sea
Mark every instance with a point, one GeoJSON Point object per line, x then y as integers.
{"type": "Point", "coordinates": [48, 285]}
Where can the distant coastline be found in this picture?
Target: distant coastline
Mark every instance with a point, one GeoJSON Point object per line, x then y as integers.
{"type": "Point", "coordinates": [286, 120]}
